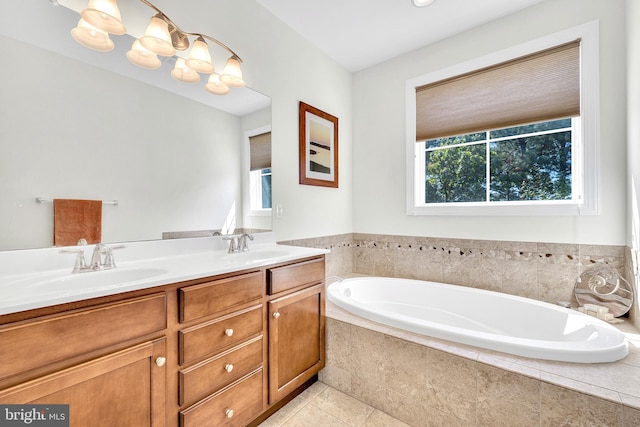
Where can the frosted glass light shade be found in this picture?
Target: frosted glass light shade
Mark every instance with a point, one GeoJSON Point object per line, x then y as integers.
{"type": "Point", "coordinates": [232, 74]}
{"type": "Point", "coordinates": [89, 36]}
{"type": "Point", "coordinates": [143, 57]}
{"type": "Point", "coordinates": [216, 86]}
{"type": "Point", "coordinates": [184, 74]}
{"type": "Point", "coordinates": [199, 57]}
{"type": "Point", "coordinates": [157, 38]}
{"type": "Point", "coordinates": [104, 15]}
{"type": "Point", "coordinates": [422, 3]}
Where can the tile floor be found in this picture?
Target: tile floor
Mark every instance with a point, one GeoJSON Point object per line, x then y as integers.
{"type": "Point", "coordinates": [321, 405]}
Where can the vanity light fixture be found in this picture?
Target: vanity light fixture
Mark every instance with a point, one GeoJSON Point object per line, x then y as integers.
{"type": "Point", "coordinates": [162, 37]}
{"type": "Point", "coordinates": [422, 3]}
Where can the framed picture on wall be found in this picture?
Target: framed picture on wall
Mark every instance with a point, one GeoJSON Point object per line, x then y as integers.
{"type": "Point", "coordinates": [318, 147]}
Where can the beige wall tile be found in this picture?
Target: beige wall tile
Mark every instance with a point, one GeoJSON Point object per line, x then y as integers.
{"type": "Point", "coordinates": [405, 366]}
{"type": "Point", "coordinates": [562, 407]}
{"type": "Point", "coordinates": [452, 385]}
{"type": "Point", "coordinates": [410, 411]}
{"type": "Point", "coordinates": [631, 417]}
{"type": "Point", "coordinates": [367, 355]}
{"type": "Point", "coordinates": [506, 398]}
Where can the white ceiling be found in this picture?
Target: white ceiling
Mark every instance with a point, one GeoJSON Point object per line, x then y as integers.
{"type": "Point", "coordinates": [362, 33]}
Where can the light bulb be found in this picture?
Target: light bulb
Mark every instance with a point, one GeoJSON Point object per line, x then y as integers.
{"type": "Point", "coordinates": [143, 57]}
{"type": "Point", "coordinates": [199, 57]}
{"type": "Point", "coordinates": [93, 38]}
{"type": "Point", "coordinates": [232, 74]}
{"type": "Point", "coordinates": [184, 74]}
{"type": "Point", "coordinates": [105, 15]}
{"type": "Point", "coordinates": [157, 38]}
{"type": "Point", "coordinates": [216, 86]}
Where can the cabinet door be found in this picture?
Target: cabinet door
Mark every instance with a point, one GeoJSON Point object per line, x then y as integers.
{"type": "Point", "coordinates": [296, 340]}
{"type": "Point", "coordinates": [126, 388]}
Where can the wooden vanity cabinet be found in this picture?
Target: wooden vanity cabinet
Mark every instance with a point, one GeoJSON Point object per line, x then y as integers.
{"type": "Point", "coordinates": [221, 351]}
{"type": "Point", "coordinates": [221, 354]}
{"type": "Point", "coordinates": [104, 362]}
{"type": "Point", "coordinates": [296, 325]}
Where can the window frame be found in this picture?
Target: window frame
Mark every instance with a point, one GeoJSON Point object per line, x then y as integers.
{"type": "Point", "coordinates": [249, 176]}
{"type": "Point", "coordinates": [586, 151]}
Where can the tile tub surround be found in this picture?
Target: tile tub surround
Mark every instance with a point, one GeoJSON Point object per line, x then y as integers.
{"type": "Point", "coordinates": [426, 382]}
{"type": "Point", "coordinates": [542, 271]}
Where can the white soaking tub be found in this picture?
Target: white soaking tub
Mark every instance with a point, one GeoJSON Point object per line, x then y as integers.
{"type": "Point", "coordinates": [481, 318]}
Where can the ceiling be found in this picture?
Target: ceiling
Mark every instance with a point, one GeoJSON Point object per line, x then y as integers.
{"type": "Point", "coordinates": [361, 33]}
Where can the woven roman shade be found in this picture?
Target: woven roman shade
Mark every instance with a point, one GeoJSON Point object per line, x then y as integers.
{"type": "Point", "coordinates": [260, 148]}
{"type": "Point", "coordinates": [542, 86]}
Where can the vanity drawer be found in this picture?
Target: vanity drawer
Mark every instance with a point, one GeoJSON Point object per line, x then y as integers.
{"type": "Point", "coordinates": [207, 338]}
{"type": "Point", "coordinates": [233, 406]}
{"type": "Point", "coordinates": [213, 297]}
{"type": "Point", "coordinates": [34, 344]}
{"type": "Point", "coordinates": [220, 371]}
{"type": "Point", "coordinates": [295, 275]}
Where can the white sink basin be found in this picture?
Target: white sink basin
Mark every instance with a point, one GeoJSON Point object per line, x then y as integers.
{"type": "Point", "coordinates": [97, 279]}
{"type": "Point", "coordinates": [67, 282]}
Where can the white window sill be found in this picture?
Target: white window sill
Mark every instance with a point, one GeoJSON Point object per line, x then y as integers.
{"type": "Point", "coordinates": [504, 209]}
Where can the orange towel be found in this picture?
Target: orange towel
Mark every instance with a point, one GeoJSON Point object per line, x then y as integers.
{"type": "Point", "coordinates": [76, 219]}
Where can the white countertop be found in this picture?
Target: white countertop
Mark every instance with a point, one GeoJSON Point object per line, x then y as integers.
{"type": "Point", "coordinates": [38, 278]}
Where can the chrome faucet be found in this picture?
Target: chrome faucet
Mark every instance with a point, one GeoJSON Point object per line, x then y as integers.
{"type": "Point", "coordinates": [238, 242]}
{"type": "Point", "coordinates": [97, 263]}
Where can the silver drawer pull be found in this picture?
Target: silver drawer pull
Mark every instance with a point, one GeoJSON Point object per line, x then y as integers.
{"type": "Point", "coordinates": [228, 367]}
{"type": "Point", "coordinates": [276, 315]}
{"type": "Point", "coordinates": [229, 413]}
{"type": "Point", "coordinates": [228, 332]}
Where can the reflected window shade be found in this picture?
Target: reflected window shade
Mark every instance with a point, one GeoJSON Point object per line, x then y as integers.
{"type": "Point", "coordinates": [260, 146]}
{"type": "Point", "coordinates": [537, 87]}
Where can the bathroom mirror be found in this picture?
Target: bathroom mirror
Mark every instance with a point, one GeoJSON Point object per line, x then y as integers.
{"type": "Point", "coordinates": [80, 124]}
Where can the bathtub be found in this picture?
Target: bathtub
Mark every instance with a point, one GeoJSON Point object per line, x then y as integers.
{"type": "Point", "coordinates": [485, 319]}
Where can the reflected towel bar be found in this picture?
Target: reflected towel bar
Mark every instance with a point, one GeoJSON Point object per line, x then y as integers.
{"type": "Point", "coordinates": [41, 200]}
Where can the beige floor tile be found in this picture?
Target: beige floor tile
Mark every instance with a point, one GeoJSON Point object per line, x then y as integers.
{"type": "Point", "coordinates": [345, 408]}
{"type": "Point", "coordinates": [311, 415]}
{"type": "Point", "coordinates": [380, 419]}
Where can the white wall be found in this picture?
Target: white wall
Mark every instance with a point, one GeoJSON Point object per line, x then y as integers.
{"type": "Point", "coordinates": [283, 65]}
{"type": "Point", "coordinates": [379, 131]}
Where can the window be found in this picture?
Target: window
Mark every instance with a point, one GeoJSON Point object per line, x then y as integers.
{"type": "Point", "coordinates": [522, 163]}
{"type": "Point", "coordinates": [260, 173]}
{"type": "Point", "coordinates": [511, 133]}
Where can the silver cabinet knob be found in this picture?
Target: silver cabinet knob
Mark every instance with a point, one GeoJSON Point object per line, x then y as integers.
{"type": "Point", "coordinates": [228, 367]}
{"type": "Point", "coordinates": [160, 361]}
{"type": "Point", "coordinates": [229, 413]}
{"type": "Point", "coordinates": [276, 315]}
{"type": "Point", "coordinates": [228, 332]}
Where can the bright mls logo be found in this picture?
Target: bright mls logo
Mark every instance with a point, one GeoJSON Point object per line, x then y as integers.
{"type": "Point", "coordinates": [34, 415]}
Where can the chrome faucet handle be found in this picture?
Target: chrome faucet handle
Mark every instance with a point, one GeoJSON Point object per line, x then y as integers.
{"type": "Point", "coordinates": [233, 242]}
{"type": "Point", "coordinates": [243, 242]}
{"type": "Point", "coordinates": [109, 260]}
{"type": "Point", "coordinates": [80, 264]}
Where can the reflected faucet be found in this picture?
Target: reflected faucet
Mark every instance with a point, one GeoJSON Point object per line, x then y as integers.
{"type": "Point", "coordinates": [243, 242]}
{"type": "Point", "coordinates": [97, 263]}
{"type": "Point", "coordinates": [238, 242]}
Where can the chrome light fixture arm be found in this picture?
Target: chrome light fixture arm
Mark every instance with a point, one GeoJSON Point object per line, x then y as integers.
{"type": "Point", "coordinates": [179, 37]}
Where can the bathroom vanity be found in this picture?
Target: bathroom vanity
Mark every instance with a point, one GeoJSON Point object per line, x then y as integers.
{"type": "Point", "coordinates": [216, 349]}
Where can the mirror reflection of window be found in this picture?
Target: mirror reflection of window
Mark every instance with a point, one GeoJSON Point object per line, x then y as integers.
{"type": "Point", "coordinates": [260, 175]}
